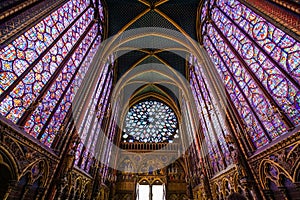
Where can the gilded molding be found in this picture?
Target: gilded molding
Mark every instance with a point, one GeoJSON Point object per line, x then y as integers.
{"type": "Point", "coordinates": [281, 159]}
{"type": "Point", "coordinates": [21, 23]}
{"type": "Point", "coordinates": [17, 8]}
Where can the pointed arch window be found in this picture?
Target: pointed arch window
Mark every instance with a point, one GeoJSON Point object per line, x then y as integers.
{"type": "Point", "coordinates": [146, 191]}
{"type": "Point", "coordinates": [257, 63]}
{"type": "Point", "coordinates": [211, 117]}
{"type": "Point", "coordinates": [43, 69]}
{"type": "Point", "coordinates": [91, 125]}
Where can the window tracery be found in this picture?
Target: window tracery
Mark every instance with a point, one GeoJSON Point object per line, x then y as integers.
{"type": "Point", "coordinates": [150, 121]}
{"type": "Point", "coordinates": [257, 63]}
{"type": "Point", "coordinates": [42, 69]}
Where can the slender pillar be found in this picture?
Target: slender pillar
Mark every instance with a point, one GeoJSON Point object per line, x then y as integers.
{"type": "Point", "coordinates": [150, 193]}
{"type": "Point", "coordinates": [27, 189]}
{"type": "Point", "coordinates": [269, 194]}
{"type": "Point", "coordinates": [11, 186]}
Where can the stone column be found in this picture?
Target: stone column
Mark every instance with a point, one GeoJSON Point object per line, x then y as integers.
{"type": "Point", "coordinates": [11, 186]}
{"type": "Point", "coordinates": [40, 193]}
{"type": "Point", "coordinates": [27, 189]}
{"type": "Point", "coordinates": [247, 188]}
{"type": "Point", "coordinates": [284, 192]}
{"type": "Point", "coordinates": [269, 194]}
{"type": "Point", "coordinates": [150, 193]}
{"type": "Point", "coordinates": [59, 193]}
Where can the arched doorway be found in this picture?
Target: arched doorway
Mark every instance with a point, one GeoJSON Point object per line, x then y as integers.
{"type": "Point", "coordinates": [150, 191]}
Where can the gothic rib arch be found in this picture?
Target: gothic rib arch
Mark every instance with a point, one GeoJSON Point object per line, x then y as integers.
{"type": "Point", "coordinates": [10, 162]}
{"type": "Point", "coordinates": [36, 170]}
{"type": "Point", "coordinates": [265, 176]}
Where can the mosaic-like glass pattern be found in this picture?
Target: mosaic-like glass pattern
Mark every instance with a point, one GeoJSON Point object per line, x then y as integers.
{"type": "Point", "coordinates": [258, 64]}
{"type": "Point", "coordinates": [85, 132]}
{"type": "Point", "coordinates": [215, 112]}
{"type": "Point", "coordinates": [43, 69]}
{"type": "Point", "coordinates": [212, 122]}
{"type": "Point", "coordinates": [213, 153]}
{"type": "Point", "coordinates": [284, 49]}
{"type": "Point", "coordinates": [204, 11]}
{"type": "Point", "coordinates": [55, 94]}
{"type": "Point", "coordinates": [99, 115]}
{"type": "Point", "coordinates": [66, 103]}
{"type": "Point", "coordinates": [84, 157]}
{"type": "Point", "coordinates": [93, 118]}
{"type": "Point", "coordinates": [277, 84]}
{"type": "Point", "coordinates": [30, 87]}
{"type": "Point", "coordinates": [150, 121]}
{"type": "Point", "coordinates": [112, 131]}
{"type": "Point", "coordinates": [255, 129]}
{"type": "Point", "coordinates": [255, 96]}
{"type": "Point", "coordinates": [78, 153]}
{"type": "Point", "coordinates": [16, 57]}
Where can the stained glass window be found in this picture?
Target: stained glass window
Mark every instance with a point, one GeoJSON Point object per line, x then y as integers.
{"type": "Point", "coordinates": [42, 69]}
{"type": "Point", "coordinates": [280, 46]}
{"type": "Point", "coordinates": [150, 121]}
{"type": "Point", "coordinates": [257, 63]}
{"type": "Point", "coordinates": [28, 89]}
{"type": "Point", "coordinates": [212, 121]}
{"type": "Point", "coordinates": [67, 99]}
{"type": "Point", "coordinates": [93, 118]}
{"type": "Point", "coordinates": [22, 52]}
{"type": "Point", "coordinates": [54, 94]}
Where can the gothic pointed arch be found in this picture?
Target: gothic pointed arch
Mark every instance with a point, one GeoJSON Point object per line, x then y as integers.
{"type": "Point", "coordinates": [8, 172]}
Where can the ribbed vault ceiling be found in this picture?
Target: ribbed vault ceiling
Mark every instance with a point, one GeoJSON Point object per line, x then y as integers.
{"type": "Point", "coordinates": [178, 15]}
{"type": "Point", "coordinates": [129, 15]}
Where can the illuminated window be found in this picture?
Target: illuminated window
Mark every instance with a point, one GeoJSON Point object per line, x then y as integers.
{"type": "Point", "coordinates": [43, 69]}
{"type": "Point", "coordinates": [211, 117]}
{"type": "Point", "coordinates": [153, 192]}
{"type": "Point", "coordinates": [158, 192]}
{"type": "Point", "coordinates": [257, 63]}
{"type": "Point", "coordinates": [150, 121]}
{"type": "Point", "coordinates": [143, 192]}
